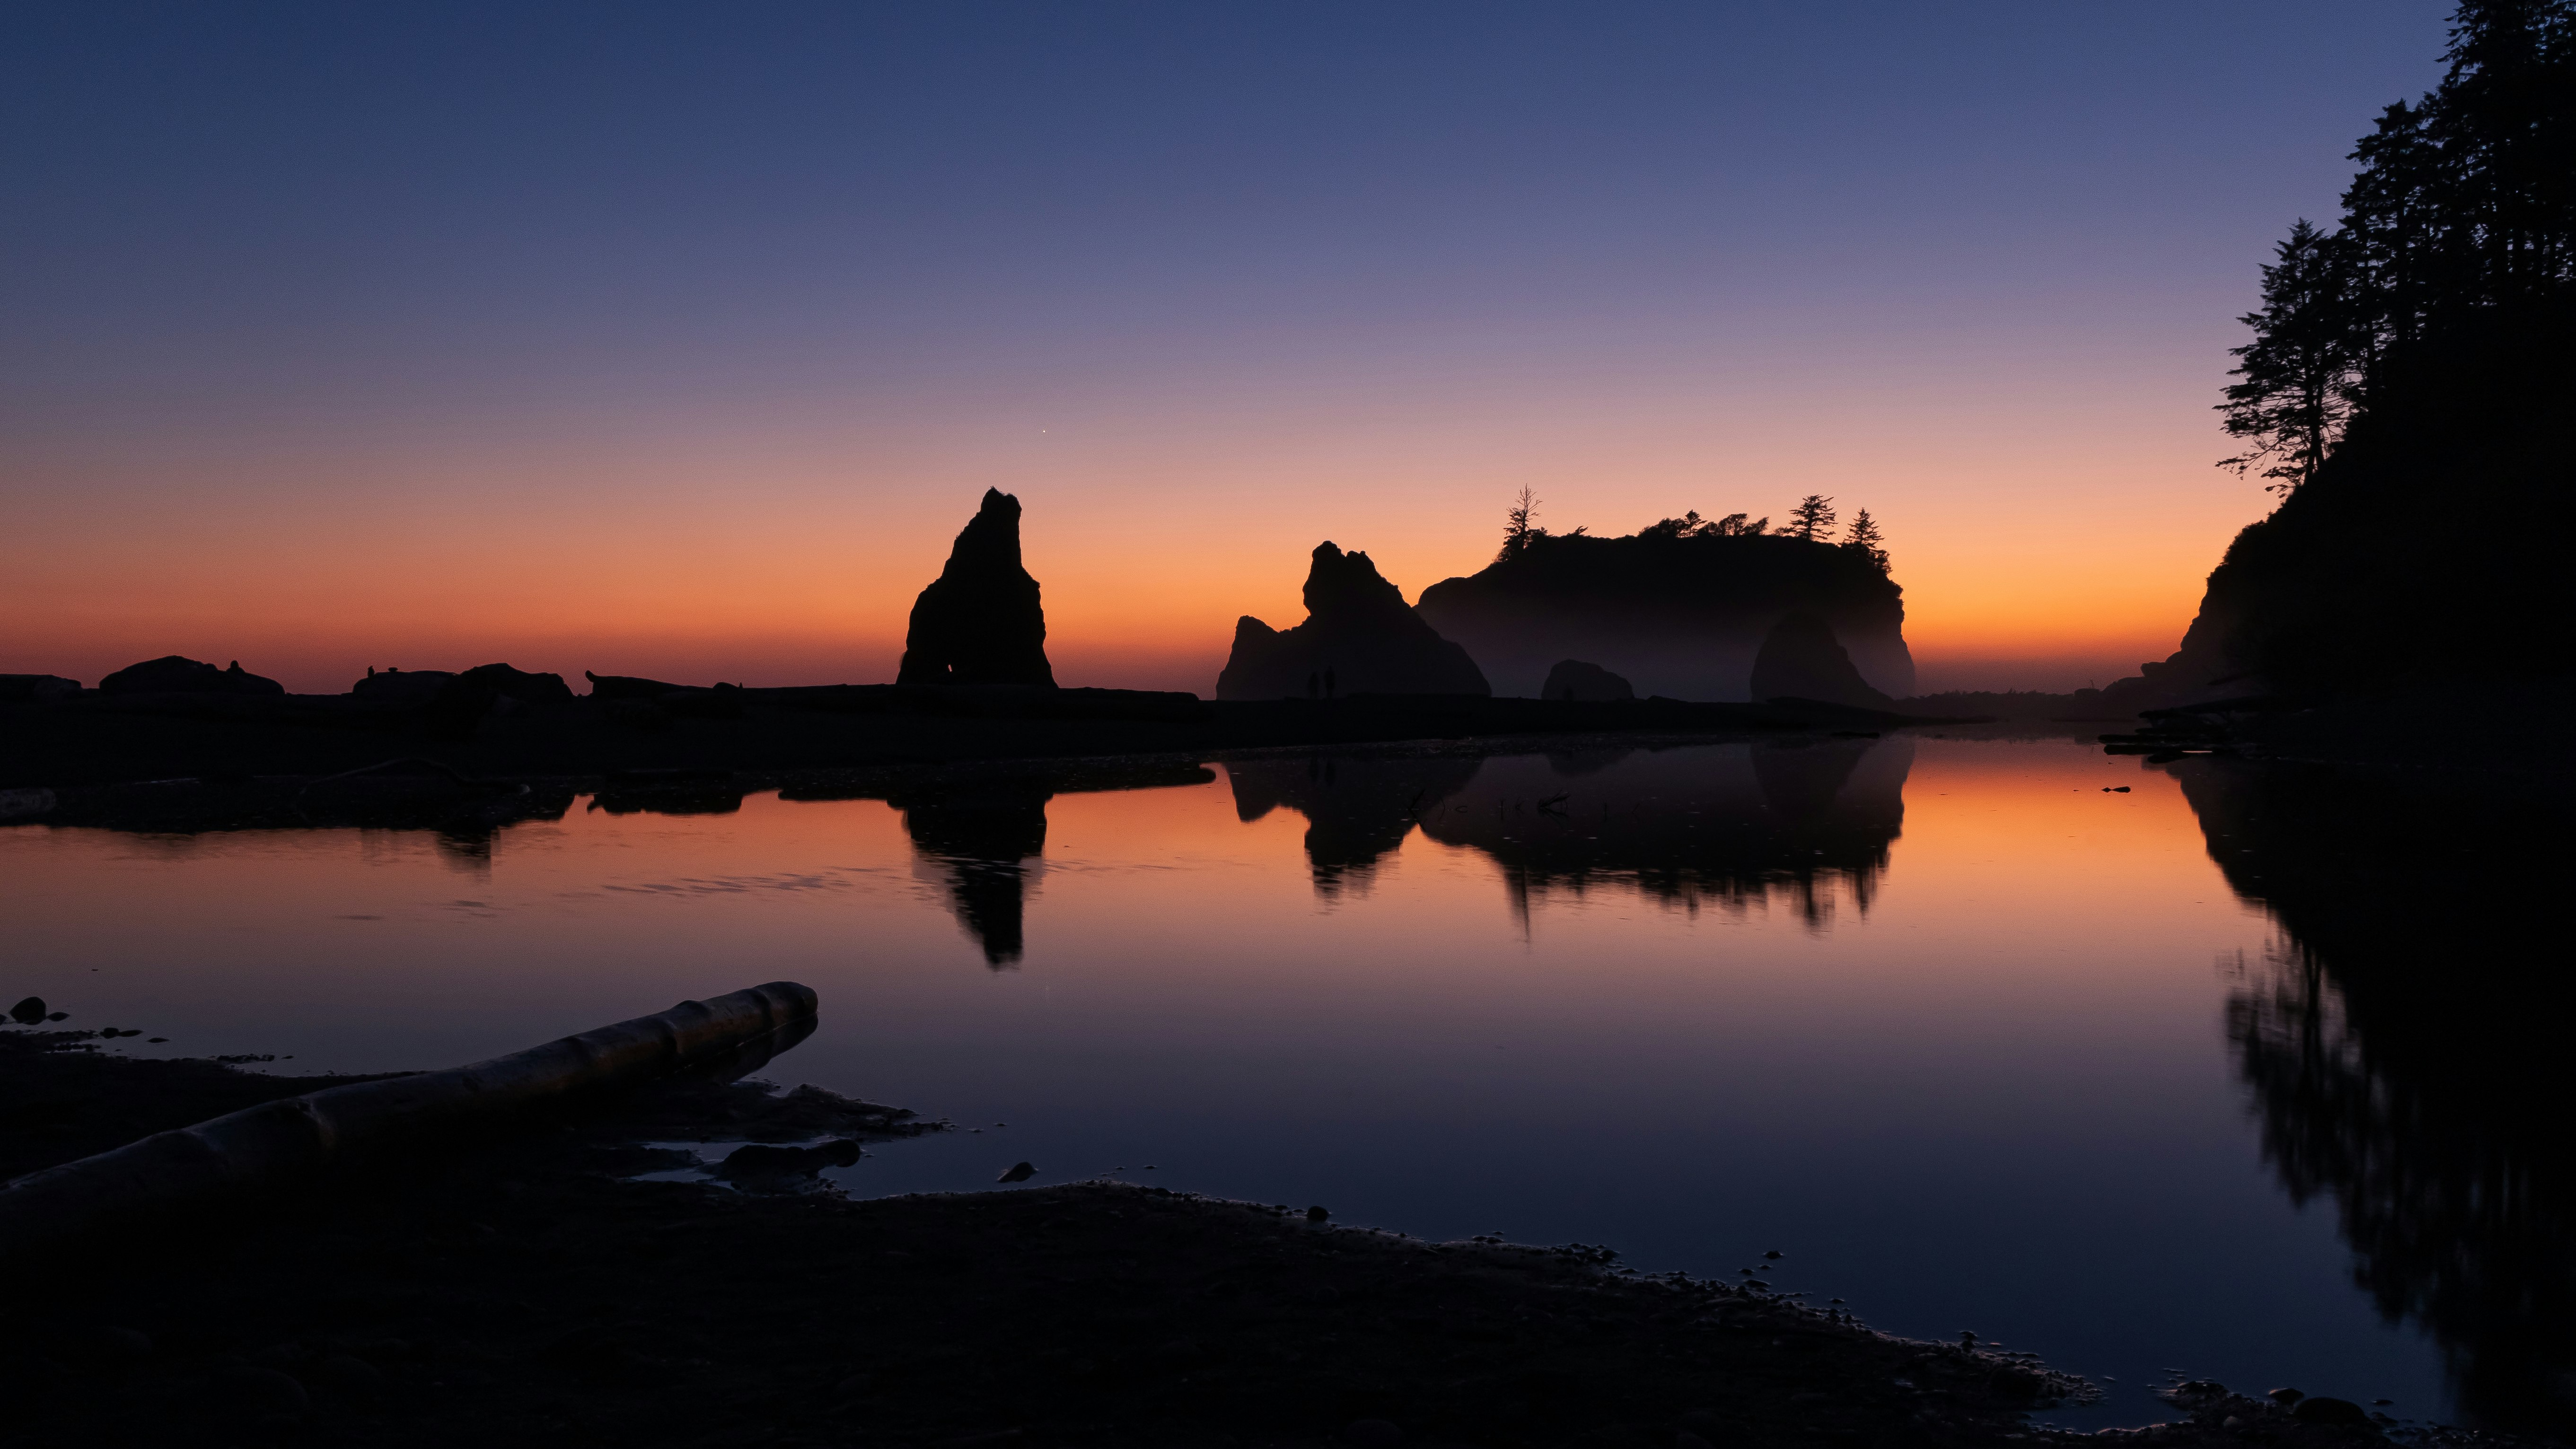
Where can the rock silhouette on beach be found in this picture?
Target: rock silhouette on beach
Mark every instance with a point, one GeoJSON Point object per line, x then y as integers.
{"type": "Point", "coordinates": [1359, 637]}
{"type": "Point", "coordinates": [36, 688]}
{"type": "Point", "coordinates": [401, 686]}
{"type": "Point", "coordinates": [1801, 659]}
{"type": "Point", "coordinates": [1574, 679]}
{"type": "Point", "coordinates": [177, 674]}
{"type": "Point", "coordinates": [758, 1167]}
{"type": "Point", "coordinates": [463, 702]}
{"type": "Point", "coordinates": [627, 686]}
{"type": "Point", "coordinates": [980, 621]}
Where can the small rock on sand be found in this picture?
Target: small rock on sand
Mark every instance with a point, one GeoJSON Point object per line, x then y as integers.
{"type": "Point", "coordinates": [1018, 1172]}
{"type": "Point", "coordinates": [2329, 1411]}
{"type": "Point", "coordinates": [1316, 1215]}
{"type": "Point", "coordinates": [29, 1011]}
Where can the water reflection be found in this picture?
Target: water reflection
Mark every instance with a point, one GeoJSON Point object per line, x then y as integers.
{"type": "Point", "coordinates": [1733, 826]}
{"type": "Point", "coordinates": [2403, 1044]}
{"type": "Point", "coordinates": [1358, 807]}
{"type": "Point", "coordinates": [981, 836]}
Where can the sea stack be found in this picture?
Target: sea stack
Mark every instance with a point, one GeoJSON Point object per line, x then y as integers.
{"type": "Point", "coordinates": [979, 622]}
{"type": "Point", "coordinates": [1359, 637]}
{"type": "Point", "coordinates": [1801, 659]}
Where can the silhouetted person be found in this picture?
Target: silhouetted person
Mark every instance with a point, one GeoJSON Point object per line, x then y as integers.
{"type": "Point", "coordinates": [1328, 681]}
{"type": "Point", "coordinates": [979, 622]}
{"type": "Point", "coordinates": [1314, 685]}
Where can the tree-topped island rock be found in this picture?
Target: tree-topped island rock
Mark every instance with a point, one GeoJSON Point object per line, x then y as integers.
{"type": "Point", "coordinates": [980, 622]}
{"type": "Point", "coordinates": [1359, 637]}
{"type": "Point", "coordinates": [1678, 608]}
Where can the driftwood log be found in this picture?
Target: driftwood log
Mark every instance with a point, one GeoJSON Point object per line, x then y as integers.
{"type": "Point", "coordinates": [238, 1154]}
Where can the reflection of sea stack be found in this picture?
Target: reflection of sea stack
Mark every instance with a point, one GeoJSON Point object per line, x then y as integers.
{"type": "Point", "coordinates": [983, 839]}
{"type": "Point", "coordinates": [979, 622]}
{"type": "Point", "coordinates": [1359, 629]}
{"type": "Point", "coordinates": [1803, 660]}
{"type": "Point", "coordinates": [1358, 809]}
{"type": "Point", "coordinates": [1574, 679]}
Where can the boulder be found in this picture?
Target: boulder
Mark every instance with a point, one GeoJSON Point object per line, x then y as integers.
{"type": "Point", "coordinates": [1801, 659]}
{"type": "Point", "coordinates": [504, 682]}
{"type": "Point", "coordinates": [176, 674]}
{"type": "Point", "coordinates": [1574, 679]}
{"type": "Point", "coordinates": [462, 702]}
{"type": "Point", "coordinates": [980, 622]}
{"type": "Point", "coordinates": [1359, 637]}
{"type": "Point", "coordinates": [401, 686]}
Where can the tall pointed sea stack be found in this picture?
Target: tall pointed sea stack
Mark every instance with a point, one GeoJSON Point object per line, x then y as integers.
{"type": "Point", "coordinates": [1360, 637]}
{"type": "Point", "coordinates": [979, 621]}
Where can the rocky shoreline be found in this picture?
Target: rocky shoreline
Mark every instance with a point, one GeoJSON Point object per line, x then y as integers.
{"type": "Point", "coordinates": [528, 1289]}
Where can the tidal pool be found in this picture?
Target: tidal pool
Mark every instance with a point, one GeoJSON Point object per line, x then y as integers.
{"type": "Point", "coordinates": [2140, 1082]}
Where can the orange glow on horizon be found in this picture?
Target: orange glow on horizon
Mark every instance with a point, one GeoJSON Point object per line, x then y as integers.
{"type": "Point", "coordinates": [723, 556]}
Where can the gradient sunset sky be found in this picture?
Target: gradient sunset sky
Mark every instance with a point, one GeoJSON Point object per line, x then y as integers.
{"type": "Point", "coordinates": [680, 339]}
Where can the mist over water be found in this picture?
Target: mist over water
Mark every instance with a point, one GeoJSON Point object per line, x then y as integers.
{"type": "Point", "coordinates": [2135, 1081]}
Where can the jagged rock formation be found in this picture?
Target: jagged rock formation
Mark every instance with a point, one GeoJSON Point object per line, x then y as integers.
{"type": "Point", "coordinates": [1677, 616]}
{"type": "Point", "coordinates": [176, 674]}
{"type": "Point", "coordinates": [979, 622]}
{"type": "Point", "coordinates": [1803, 660]}
{"type": "Point", "coordinates": [1359, 637]}
{"type": "Point", "coordinates": [2355, 586]}
{"type": "Point", "coordinates": [1574, 679]}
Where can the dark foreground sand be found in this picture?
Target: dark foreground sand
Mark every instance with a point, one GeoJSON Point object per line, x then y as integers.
{"type": "Point", "coordinates": [520, 1290]}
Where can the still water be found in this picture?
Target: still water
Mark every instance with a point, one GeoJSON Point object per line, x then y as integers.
{"type": "Point", "coordinates": [2198, 1077]}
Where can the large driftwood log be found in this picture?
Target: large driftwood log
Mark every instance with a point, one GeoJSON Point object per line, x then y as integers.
{"type": "Point", "coordinates": [246, 1150]}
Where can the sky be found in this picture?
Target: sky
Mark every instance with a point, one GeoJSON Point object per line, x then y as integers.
{"type": "Point", "coordinates": [680, 340]}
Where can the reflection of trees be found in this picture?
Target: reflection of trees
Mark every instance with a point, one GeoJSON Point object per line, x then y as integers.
{"type": "Point", "coordinates": [980, 832]}
{"type": "Point", "coordinates": [2401, 1044]}
{"type": "Point", "coordinates": [1726, 825]}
